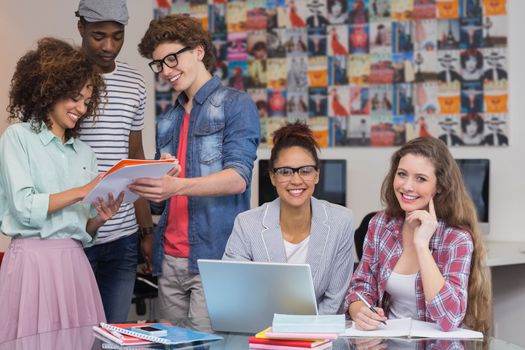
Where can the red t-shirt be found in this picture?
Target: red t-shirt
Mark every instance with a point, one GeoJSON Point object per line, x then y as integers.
{"type": "Point", "coordinates": [176, 236]}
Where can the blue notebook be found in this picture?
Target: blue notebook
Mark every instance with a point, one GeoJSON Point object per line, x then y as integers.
{"type": "Point", "coordinates": [175, 335]}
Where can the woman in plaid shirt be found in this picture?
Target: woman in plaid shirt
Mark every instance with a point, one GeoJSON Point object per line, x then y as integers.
{"type": "Point", "coordinates": [423, 256]}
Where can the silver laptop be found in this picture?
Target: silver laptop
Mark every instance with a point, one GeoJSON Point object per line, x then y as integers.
{"type": "Point", "coordinates": [243, 296]}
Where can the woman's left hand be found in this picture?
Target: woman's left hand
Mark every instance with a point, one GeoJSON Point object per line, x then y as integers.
{"type": "Point", "coordinates": [106, 210]}
{"type": "Point", "coordinates": [425, 224]}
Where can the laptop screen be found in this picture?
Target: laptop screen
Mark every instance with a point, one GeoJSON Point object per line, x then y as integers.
{"type": "Point", "coordinates": [243, 296]}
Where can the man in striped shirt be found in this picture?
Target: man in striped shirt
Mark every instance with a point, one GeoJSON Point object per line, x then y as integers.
{"type": "Point", "coordinates": [114, 135]}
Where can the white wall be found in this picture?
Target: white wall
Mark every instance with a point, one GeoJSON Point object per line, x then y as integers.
{"type": "Point", "coordinates": [22, 22]}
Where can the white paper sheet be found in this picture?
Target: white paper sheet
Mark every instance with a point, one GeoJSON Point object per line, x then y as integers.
{"type": "Point", "coordinates": [406, 327]}
{"type": "Point", "coordinates": [119, 180]}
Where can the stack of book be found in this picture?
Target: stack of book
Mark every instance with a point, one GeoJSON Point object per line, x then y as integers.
{"type": "Point", "coordinates": [294, 332]}
{"type": "Point", "coordinates": [143, 334]}
{"type": "Point", "coordinates": [269, 340]}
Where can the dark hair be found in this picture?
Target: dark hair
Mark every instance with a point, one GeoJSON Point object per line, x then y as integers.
{"type": "Point", "coordinates": [343, 3]}
{"type": "Point", "coordinates": [180, 28]}
{"type": "Point", "coordinates": [261, 104]}
{"type": "Point", "coordinates": [465, 55]}
{"type": "Point", "coordinates": [54, 71]}
{"type": "Point", "coordinates": [472, 117]}
{"type": "Point", "coordinates": [293, 134]}
{"type": "Point", "coordinates": [454, 206]}
{"type": "Point", "coordinates": [260, 45]}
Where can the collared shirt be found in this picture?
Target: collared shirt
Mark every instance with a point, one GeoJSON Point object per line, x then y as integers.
{"type": "Point", "coordinates": [32, 167]}
{"type": "Point", "coordinates": [223, 133]}
{"type": "Point", "coordinates": [452, 250]}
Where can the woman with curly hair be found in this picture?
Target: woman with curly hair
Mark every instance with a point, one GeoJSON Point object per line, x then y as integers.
{"type": "Point", "coordinates": [46, 282]}
{"type": "Point", "coordinates": [423, 256]}
{"type": "Point", "coordinates": [296, 227]}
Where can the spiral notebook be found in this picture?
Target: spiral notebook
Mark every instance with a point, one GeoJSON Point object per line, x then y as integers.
{"type": "Point", "coordinates": [176, 335]}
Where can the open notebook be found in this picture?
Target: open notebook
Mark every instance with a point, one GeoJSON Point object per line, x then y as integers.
{"type": "Point", "coordinates": [407, 327]}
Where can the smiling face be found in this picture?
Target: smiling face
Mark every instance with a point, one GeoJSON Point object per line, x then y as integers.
{"type": "Point", "coordinates": [66, 112]}
{"type": "Point", "coordinates": [295, 191]}
{"type": "Point", "coordinates": [415, 182]}
{"type": "Point", "coordinates": [185, 75]}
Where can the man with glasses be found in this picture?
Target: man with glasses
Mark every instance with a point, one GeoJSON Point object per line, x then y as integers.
{"type": "Point", "coordinates": [115, 134]}
{"type": "Point", "coordinates": [214, 132]}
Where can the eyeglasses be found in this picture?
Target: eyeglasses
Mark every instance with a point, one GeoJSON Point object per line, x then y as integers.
{"type": "Point", "coordinates": [171, 61]}
{"type": "Point", "coordinates": [285, 173]}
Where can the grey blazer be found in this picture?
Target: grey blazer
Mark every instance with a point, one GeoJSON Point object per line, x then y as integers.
{"type": "Point", "coordinates": [257, 236]}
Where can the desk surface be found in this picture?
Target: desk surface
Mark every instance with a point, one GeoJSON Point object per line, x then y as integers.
{"type": "Point", "coordinates": [84, 338]}
{"type": "Point", "coordinates": [505, 253]}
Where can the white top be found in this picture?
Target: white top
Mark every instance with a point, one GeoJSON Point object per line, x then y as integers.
{"type": "Point", "coordinates": [108, 136]}
{"type": "Point", "coordinates": [296, 253]}
{"type": "Point", "coordinates": [402, 291]}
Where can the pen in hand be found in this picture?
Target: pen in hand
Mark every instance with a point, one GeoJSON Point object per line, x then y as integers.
{"type": "Point", "coordinates": [368, 306]}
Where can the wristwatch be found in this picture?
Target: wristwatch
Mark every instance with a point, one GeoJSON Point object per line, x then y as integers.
{"type": "Point", "coordinates": [145, 231]}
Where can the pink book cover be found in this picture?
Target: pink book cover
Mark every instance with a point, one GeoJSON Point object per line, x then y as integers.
{"type": "Point", "coordinates": [280, 335]}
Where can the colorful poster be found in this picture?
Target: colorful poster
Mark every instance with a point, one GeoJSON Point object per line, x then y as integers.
{"type": "Point", "coordinates": [363, 72]}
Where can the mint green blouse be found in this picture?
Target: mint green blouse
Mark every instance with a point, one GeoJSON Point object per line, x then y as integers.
{"type": "Point", "coordinates": [33, 166]}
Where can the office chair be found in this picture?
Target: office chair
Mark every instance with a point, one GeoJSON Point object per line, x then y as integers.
{"type": "Point", "coordinates": [360, 233]}
{"type": "Point", "coordinates": [146, 288]}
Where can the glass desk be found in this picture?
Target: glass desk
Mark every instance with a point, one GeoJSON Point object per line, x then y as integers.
{"type": "Point", "coordinates": [83, 338]}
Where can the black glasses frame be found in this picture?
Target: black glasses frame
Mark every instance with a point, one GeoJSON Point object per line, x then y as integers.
{"type": "Point", "coordinates": [294, 170]}
{"type": "Point", "coordinates": [173, 56]}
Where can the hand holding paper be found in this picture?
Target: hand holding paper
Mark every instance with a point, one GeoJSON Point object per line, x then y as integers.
{"type": "Point", "coordinates": [156, 190]}
{"type": "Point", "coordinates": [106, 209]}
{"type": "Point", "coordinates": [126, 171]}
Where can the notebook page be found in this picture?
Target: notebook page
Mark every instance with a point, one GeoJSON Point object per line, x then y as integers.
{"type": "Point", "coordinates": [394, 328]}
{"type": "Point", "coordinates": [432, 330]}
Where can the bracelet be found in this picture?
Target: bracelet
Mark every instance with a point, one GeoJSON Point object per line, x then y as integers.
{"type": "Point", "coordinates": [145, 231]}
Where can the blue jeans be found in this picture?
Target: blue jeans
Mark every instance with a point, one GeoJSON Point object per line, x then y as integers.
{"type": "Point", "coordinates": [115, 267]}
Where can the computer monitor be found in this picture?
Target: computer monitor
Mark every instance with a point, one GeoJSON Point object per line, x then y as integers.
{"type": "Point", "coordinates": [331, 186]}
{"type": "Point", "coordinates": [476, 173]}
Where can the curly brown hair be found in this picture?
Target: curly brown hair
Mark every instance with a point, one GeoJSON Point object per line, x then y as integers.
{"type": "Point", "coordinates": [53, 72]}
{"type": "Point", "coordinates": [180, 28]}
{"type": "Point", "coordinates": [454, 206]}
{"type": "Point", "coordinates": [294, 134]}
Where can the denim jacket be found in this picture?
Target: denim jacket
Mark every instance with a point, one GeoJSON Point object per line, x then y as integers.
{"type": "Point", "coordinates": [224, 132]}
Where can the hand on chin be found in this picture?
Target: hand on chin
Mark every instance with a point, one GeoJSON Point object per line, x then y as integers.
{"type": "Point", "coordinates": [414, 224]}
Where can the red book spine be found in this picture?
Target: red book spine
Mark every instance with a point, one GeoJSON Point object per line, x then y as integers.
{"type": "Point", "coordinates": [282, 342]}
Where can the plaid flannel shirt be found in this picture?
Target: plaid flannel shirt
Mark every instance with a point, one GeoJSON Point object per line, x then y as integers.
{"type": "Point", "coordinates": [452, 250]}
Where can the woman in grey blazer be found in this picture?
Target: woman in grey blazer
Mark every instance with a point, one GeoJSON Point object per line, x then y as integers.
{"type": "Point", "coordinates": [296, 227]}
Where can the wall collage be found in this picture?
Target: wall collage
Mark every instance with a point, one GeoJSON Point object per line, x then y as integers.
{"type": "Point", "coordinates": [363, 72]}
